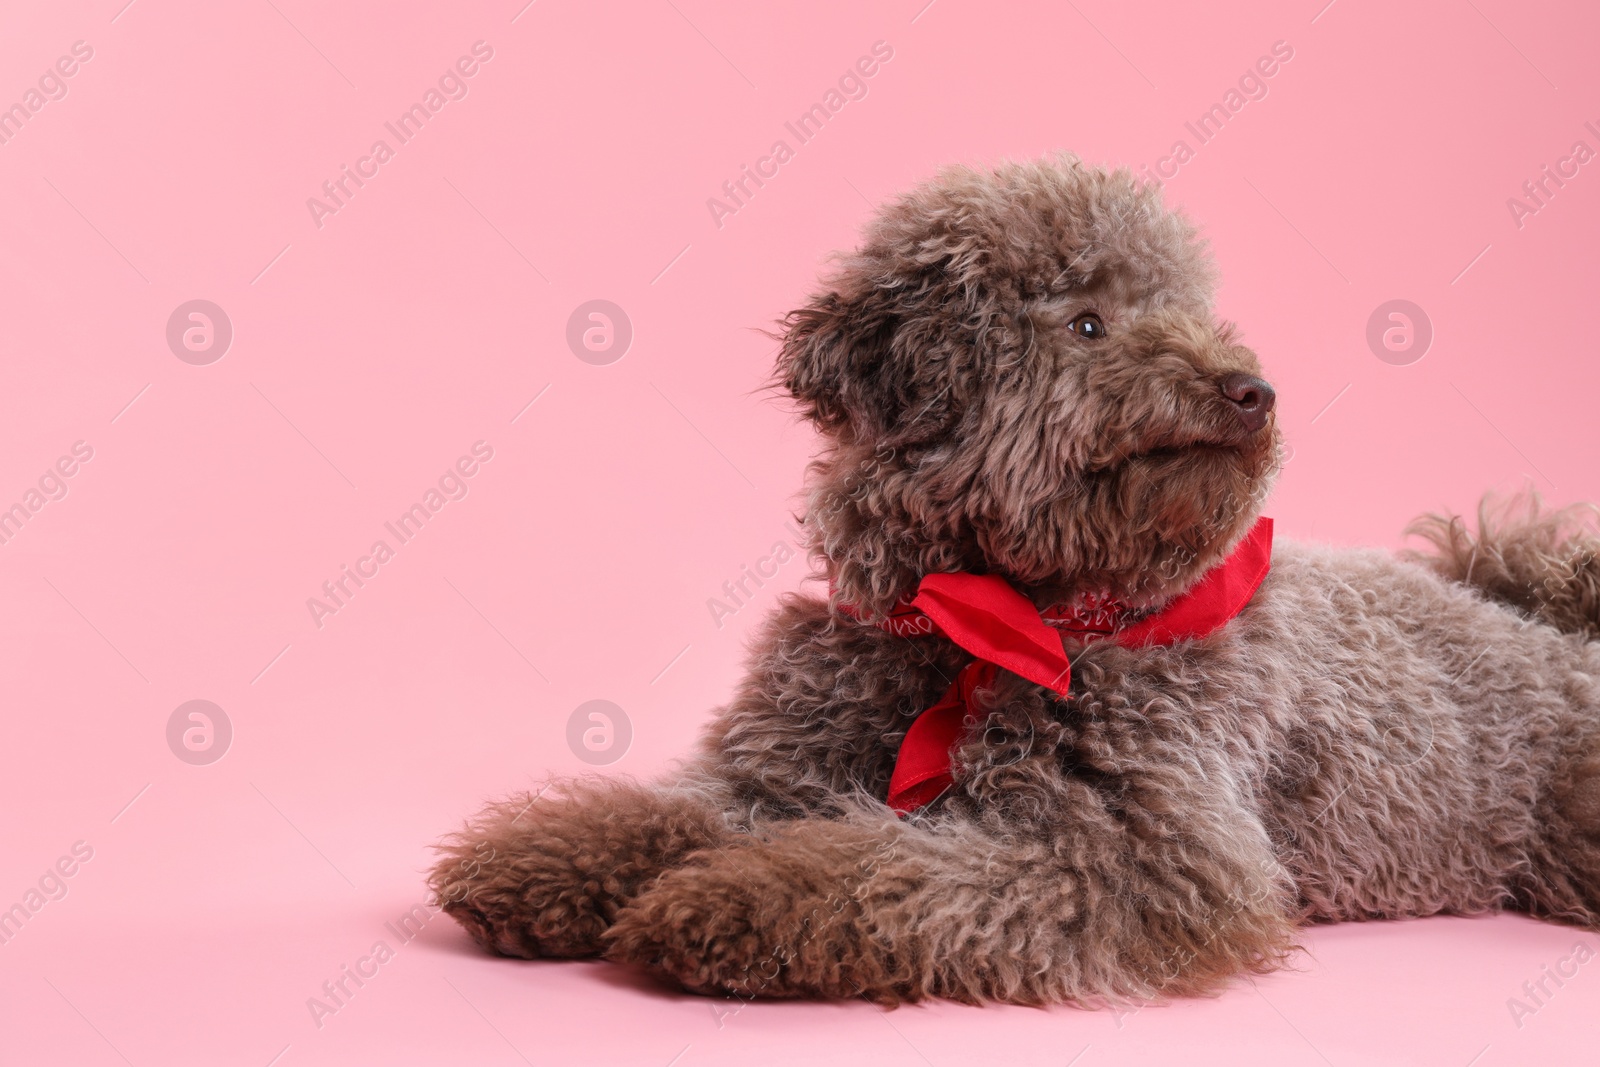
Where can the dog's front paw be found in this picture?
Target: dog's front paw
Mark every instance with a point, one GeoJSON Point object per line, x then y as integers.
{"type": "Point", "coordinates": [734, 922]}
{"type": "Point", "coordinates": [517, 883]}
{"type": "Point", "coordinates": [544, 875]}
{"type": "Point", "coordinates": [498, 929]}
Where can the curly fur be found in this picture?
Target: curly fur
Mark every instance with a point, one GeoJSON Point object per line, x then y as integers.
{"type": "Point", "coordinates": [1372, 737]}
{"type": "Point", "coordinates": [1545, 564]}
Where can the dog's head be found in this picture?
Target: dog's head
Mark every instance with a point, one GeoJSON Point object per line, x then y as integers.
{"type": "Point", "coordinates": [1019, 372]}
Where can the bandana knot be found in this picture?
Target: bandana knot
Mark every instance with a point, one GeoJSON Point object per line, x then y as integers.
{"type": "Point", "coordinates": [1003, 630]}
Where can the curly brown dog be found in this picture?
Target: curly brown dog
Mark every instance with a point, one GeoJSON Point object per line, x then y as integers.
{"type": "Point", "coordinates": [1027, 402]}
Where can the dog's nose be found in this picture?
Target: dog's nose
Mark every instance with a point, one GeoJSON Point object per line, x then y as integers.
{"type": "Point", "coordinates": [1252, 399]}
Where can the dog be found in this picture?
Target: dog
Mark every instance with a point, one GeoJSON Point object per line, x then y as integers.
{"type": "Point", "coordinates": [1069, 726]}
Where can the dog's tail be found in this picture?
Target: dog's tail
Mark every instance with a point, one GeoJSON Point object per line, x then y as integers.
{"type": "Point", "coordinates": [1543, 562]}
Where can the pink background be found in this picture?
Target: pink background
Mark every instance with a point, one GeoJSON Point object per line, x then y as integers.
{"type": "Point", "coordinates": [369, 353]}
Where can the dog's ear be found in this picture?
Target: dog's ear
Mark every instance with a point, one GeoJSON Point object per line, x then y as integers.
{"type": "Point", "coordinates": [850, 364]}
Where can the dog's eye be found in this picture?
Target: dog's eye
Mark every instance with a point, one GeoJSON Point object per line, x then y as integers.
{"type": "Point", "coordinates": [1088, 326]}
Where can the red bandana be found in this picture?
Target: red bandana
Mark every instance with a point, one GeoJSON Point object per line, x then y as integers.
{"type": "Point", "coordinates": [984, 615]}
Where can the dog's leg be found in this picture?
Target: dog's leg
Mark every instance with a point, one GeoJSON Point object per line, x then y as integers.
{"type": "Point", "coordinates": [871, 906]}
{"type": "Point", "coordinates": [1563, 881]}
{"type": "Point", "coordinates": [1545, 564]}
{"type": "Point", "coordinates": [544, 874]}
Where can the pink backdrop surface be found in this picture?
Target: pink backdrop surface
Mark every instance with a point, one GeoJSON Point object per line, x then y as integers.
{"type": "Point", "coordinates": [378, 339]}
